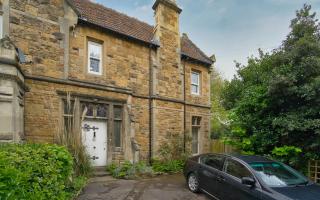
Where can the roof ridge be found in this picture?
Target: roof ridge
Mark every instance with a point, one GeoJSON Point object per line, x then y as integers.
{"type": "Point", "coordinates": [118, 12]}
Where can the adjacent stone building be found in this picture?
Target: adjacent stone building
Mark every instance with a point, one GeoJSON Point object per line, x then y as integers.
{"type": "Point", "coordinates": [131, 83]}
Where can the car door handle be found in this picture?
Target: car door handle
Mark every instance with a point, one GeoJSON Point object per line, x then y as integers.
{"type": "Point", "coordinates": [208, 174]}
{"type": "Point", "coordinates": [220, 179]}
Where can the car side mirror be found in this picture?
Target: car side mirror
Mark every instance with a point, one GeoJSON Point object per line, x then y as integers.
{"type": "Point", "coordinates": [248, 181]}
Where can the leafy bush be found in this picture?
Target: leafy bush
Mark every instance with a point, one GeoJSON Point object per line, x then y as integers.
{"type": "Point", "coordinates": [170, 166]}
{"type": "Point", "coordinates": [76, 185]}
{"type": "Point", "coordinates": [127, 170]}
{"type": "Point", "coordinates": [287, 154]}
{"type": "Point", "coordinates": [34, 171]}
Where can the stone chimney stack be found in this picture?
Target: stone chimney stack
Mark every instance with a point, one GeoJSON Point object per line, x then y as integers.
{"type": "Point", "coordinates": [170, 81]}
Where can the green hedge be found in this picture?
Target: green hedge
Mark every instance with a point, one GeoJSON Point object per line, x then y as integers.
{"type": "Point", "coordinates": [35, 171]}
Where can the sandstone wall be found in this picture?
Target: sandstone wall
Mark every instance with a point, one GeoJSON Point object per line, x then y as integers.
{"type": "Point", "coordinates": [125, 63]}
{"type": "Point", "coordinates": [140, 116]}
{"type": "Point", "coordinates": [43, 107]}
{"type": "Point", "coordinates": [168, 120]}
{"type": "Point", "coordinates": [204, 97]}
{"type": "Point", "coordinates": [35, 28]}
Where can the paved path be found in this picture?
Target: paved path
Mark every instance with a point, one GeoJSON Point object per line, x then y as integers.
{"type": "Point", "coordinates": [171, 187]}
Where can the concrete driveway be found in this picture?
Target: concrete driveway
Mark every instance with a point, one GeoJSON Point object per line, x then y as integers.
{"type": "Point", "coordinates": [170, 187]}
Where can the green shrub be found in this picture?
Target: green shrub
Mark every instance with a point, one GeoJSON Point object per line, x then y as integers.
{"type": "Point", "coordinates": [168, 166]}
{"type": "Point", "coordinates": [35, 171]}
{"type": "Point", "coordinates": [287, 154]}
{"type": "Point", "coordinates": [174, 148]}
{"type": "Point", "coordinates": [127, 170]}
{"type": "Point", "coordinates": [172, 154]}
{"type": "Point", "coordinates": [76, 185]}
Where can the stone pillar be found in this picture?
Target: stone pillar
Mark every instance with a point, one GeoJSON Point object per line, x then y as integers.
{"type": "Point", "coordinates": [12, 89]}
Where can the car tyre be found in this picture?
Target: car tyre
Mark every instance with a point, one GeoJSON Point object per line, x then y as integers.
{"type": "Point", "coordinates": [193, 183]}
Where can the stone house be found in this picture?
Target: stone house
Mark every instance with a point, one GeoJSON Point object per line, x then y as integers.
{"type": "Point", "coordinates": [131, 82]}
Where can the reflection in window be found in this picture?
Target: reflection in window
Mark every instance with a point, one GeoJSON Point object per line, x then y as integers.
{"type": "Point", "coordinates": [236, 169]}
{"type": "Point", "coordinates": [94, 58]}
{"type": "Point", "coordinates": [68, 107]}
{"type": "Point", "coordinates": [195, 134]}
{"type": "Point", "coordinates": [195, 83]}
{"type": "Point", "coordinates": [102, 110]}
{"type": "Point", "coordinates": [117, 111]}
{"type": "Point", "coordinates": [278, 175]}
{"type": "Point", "coordinates": [1, 26]}
{"type": "Point", "coordinates": [214, 161]}
{"type": "Point", "coordinates": [68, 114]}
{"type": "Point", "coordinates": [89, 110]}
{"type": "Point", "coordinates": [117, 133]}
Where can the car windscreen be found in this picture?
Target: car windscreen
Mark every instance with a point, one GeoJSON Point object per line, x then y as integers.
{"type": "Point", "coordinates": [275, 174]}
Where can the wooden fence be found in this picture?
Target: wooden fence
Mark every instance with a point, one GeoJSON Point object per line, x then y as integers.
{"type": "Point", "coordinates": [314, 170]}
{"type": "Point", "coordinates": [218, 146]}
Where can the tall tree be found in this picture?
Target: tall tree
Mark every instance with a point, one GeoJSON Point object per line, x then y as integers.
{"type": "Point", "coordinates": [219, 114]}
{"type": "Point", "coordinates": [275, 99]}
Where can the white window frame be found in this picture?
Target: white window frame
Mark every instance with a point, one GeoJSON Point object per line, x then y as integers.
{"type": "Point", "coordinates": [193, 72]}
{"type": "Point", "coordinates": [101, 59]}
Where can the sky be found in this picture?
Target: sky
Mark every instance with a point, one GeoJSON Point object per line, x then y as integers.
{"type": "Point", "coordinates": [233, 30]}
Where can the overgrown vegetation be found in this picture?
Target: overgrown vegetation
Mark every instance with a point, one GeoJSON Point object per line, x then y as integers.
{"type": "Point", "coordinates": [172, 154]}
{"type": "Point", "coordinates": [219, 116]}
{"type": "Point", "coordinates": [128, 170]}
{"type": "Point", "coordinates": [37, 171]}
{"type": "Point", "coordinates": [274, 100]}
{"type": "Point", "coordinates": [168, 166]}
{"type": "Point", "coordinates": [171, 159]}
{"type": "Point", "coordinates": [70, 137]}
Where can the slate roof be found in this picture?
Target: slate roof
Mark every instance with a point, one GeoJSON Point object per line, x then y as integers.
{"type": "Point", "coordinates": [110, 19]}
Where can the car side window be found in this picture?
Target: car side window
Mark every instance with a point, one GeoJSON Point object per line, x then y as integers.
{"type": "Point", "coordinates": [237, 169]}
{"type": "Point", "coordinates": [214, 161]}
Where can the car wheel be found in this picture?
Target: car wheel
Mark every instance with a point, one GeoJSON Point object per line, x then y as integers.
{"type": "Point", "coordinates": [193, 183]}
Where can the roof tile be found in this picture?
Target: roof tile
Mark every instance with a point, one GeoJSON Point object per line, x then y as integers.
{"type": "Point", "coordinates": [118, 22]}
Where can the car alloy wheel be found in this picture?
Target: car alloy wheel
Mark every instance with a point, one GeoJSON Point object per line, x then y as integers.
{"type": "Point", "coordinates": [193, 183]}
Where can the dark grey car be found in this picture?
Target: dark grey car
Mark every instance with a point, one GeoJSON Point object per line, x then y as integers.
{"type": "Point", "coordinates": [226, 177]}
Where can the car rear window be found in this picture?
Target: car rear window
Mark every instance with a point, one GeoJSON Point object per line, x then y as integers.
{"type": "Point", "coordinates": [215, 161]}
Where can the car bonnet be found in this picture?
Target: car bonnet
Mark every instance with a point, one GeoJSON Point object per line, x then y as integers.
{"type": "Point", "coordinates": [309, 192]}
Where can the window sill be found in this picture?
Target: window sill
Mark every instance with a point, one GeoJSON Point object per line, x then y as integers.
{"type": "Point", "coordinates": [94, 74]}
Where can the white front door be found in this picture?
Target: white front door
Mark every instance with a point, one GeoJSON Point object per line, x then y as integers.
{"type": "Point", "coordinates": [94, 137]}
